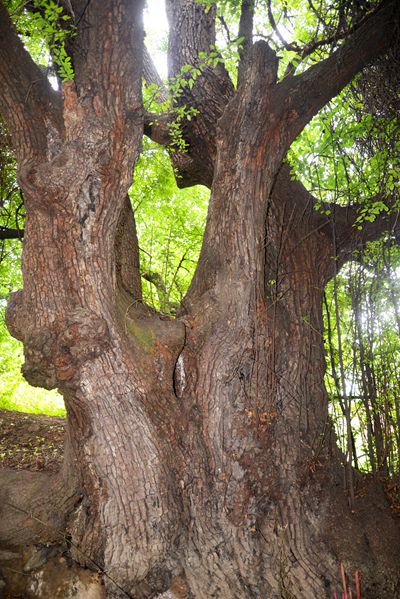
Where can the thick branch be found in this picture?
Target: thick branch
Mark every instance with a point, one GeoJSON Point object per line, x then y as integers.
{"type": "Point", "coordinates": [156, 128]}
{"type": "Point", "coordinates": [189, 171]}
{"type": "Point", "coordinates": [192, 30]}
{"type": "Point", "coordinates": [107, 54]}
{"type": "Point", "coordinates": [339, 223]}
{"type": "Point", "coordinates": [245, 32]}
{"type": "Point", "coordinates": [305, 94]}
{"type": "Point", "coordinates": [31, 108]}
{"type": "Point", "coordinates": [349, 238]}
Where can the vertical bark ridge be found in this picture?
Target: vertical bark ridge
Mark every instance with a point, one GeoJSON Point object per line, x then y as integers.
{"type": "Point", "coordinates": [130, 471]}
{"type": "Point", "coordinates": [258, 363]}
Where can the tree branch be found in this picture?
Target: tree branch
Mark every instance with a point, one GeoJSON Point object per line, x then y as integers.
{"type": "Point", "coordinates": [6, 233]}
{"type": "Point", "coordinates": [192, 30]}
{"type": "Point", "coordinates": [163, 296]}
{"type": "Point", "coordinates": [305, 94]}
{"type": "Point", "coordinates": [157, 128]}
{"type": "Point", "coordinates": [188, 170]}
{"type": "Point", "coordinates": [28, 103]}
{"type": "Point", "coordinates": [339, 223]}
{"type": "Point", "coordinates": [349, 238]}
{"type": "Point", "coordinates": [107, 54]}
{"type": "Point", "coordinates": [245, 32]}
{"type": "Point", "coordinates": [288, 46]}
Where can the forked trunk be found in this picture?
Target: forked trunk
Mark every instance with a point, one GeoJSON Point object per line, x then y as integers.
{"type": "Point", "coordinates": [199, 446]}
{"type": "Point", "coordinates": [203, 444]}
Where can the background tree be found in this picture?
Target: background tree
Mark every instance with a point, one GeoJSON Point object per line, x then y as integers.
{"type": "Point", "coordinates": [198, 445]}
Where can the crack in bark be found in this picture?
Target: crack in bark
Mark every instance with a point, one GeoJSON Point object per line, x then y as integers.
{"type": "Point", "coordinates": [178, 376]}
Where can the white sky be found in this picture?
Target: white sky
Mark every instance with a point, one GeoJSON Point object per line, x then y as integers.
{"type": "Point", "coordinates": [156, 27]}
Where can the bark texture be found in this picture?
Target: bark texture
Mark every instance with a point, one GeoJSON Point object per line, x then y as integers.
{"type": "Point", "coordinates": [201, 446]}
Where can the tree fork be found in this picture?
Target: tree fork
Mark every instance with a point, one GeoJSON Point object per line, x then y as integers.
{"type": "Point", "coordinates": [203, 443]}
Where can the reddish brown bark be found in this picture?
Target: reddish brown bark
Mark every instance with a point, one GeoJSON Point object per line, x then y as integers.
{"type": "Point", "coordinates": [201, 445]}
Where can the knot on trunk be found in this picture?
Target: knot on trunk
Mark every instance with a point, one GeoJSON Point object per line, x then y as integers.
{"type": "Point", "coordinates": [55, 356]}
{"type": "Point", "coordinates": [17, 317]}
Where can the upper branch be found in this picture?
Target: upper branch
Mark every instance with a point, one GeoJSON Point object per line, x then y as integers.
{"type": "Point", "coordinates": [342, 225]}
{"type": "Point", "coordinates": [245, 32]}
{"type": "Point", "coordinates": [305, 94]}
{"type": "Point", "coordinates": [31, 108]}
{"type": "Point", "coordinates": [192, 31]}
{"type": "Point", "coordinates": [107, 54]}
{"type": "Point", "coordinates": [349, 238]}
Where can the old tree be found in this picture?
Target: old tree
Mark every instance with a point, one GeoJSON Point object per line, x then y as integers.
{"type": "Point", "coordinates": [198, 446]}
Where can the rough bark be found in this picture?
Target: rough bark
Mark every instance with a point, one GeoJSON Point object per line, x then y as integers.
{"type": "Point", "coordinates": [192, 30]}
{"type": "Point", "coordinates": [201, 445]}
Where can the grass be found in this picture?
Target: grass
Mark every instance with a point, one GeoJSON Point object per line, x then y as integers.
{"type": "Point", "coordinates": [15, 393]}
{"type": "Point", "coordinates": [21, 397]}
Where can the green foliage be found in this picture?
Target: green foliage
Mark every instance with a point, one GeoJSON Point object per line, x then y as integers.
{"type": "Point", "coordinates": [47, 22]}
{"type": "Point", "coordinates": [44, 31]}
{"type": "Point", "coordinates": [170, 224]}
{"type": "Point", "coordinates": [178, 114]}
{"type": "Point", "coordinates": [347, 156]}
{"type": "Point", "coordinates": [184, 81]}
{"type": "Point", "coordinates": [299, 31]}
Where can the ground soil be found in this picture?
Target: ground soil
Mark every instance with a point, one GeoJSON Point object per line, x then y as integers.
{"type": "Point", "coordinates": [31, 441]}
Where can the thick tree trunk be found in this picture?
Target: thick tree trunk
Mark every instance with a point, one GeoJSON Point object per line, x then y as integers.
{"type": "Point", "coordinates": [265, 513]}
{"type": "Point", "coordinates": [202, 445]}
{"type": "Point", "coordinates": [74, 318]}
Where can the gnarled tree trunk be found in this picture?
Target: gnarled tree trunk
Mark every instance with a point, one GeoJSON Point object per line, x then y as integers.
{"type": "Point", "coordinates": [198, 446]}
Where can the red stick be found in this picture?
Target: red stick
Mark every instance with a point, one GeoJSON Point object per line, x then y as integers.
{"type": "Point", "coordinates": [358, 591]}
{"type": "Point", "coordinates": [343, 580]}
